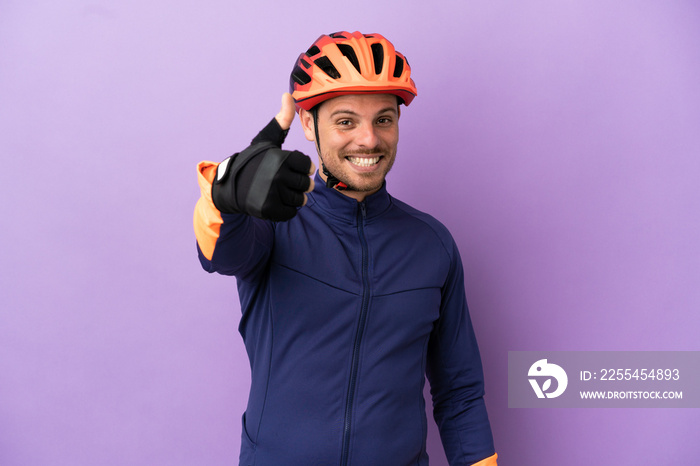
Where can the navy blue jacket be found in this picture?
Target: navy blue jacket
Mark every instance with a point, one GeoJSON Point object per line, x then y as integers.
{"type": "Point", "coordinates": [346, 307]}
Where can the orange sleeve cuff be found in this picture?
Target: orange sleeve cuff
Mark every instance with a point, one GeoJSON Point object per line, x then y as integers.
{"type": "Point", "coordinates": [207, 218]}
{"type": "Point", "coordinates": [490, 461]}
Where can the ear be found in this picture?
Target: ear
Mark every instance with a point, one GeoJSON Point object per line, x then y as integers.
{"type": "Point", "coordinates": [307, 123]}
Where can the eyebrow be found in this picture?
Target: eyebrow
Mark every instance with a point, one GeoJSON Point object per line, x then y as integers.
{"type": "Point", "coordinates": [351, 112]}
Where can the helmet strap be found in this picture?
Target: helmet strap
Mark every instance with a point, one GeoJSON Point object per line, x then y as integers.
{"type": "Point", "coordinates": [331, 181]}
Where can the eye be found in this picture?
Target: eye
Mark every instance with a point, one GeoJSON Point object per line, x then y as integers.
{"type": "Point", "coordinates": [384, 121]}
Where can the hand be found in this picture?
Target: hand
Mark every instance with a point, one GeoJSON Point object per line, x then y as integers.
{"type": "Point", "coordinates": [264, 180]}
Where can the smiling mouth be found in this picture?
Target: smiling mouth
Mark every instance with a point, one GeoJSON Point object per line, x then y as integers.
{"type": "Point", "coordinates": [364, 161]}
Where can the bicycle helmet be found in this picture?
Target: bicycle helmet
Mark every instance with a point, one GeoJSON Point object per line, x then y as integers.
{"type": "Point", "coordinates": [350, 63]}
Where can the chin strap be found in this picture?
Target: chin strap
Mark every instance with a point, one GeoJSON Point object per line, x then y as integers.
{"type": "Point", "coordinates": [331, 181]}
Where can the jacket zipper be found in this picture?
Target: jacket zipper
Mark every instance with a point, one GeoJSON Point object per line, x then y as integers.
{"type": "Point", "coordinates": [354, 368]}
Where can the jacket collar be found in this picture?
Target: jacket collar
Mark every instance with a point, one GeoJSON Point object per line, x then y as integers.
{"type": "Point", "coordinates": [340, 206]}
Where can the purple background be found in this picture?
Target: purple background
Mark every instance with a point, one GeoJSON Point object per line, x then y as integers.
{"type": "Point", "coordinates": [558, 140]}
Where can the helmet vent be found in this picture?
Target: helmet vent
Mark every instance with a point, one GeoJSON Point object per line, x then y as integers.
{"type": "Point", "coordinates": [313, 50]}
{"type": "Point", "coordinates": [305, 63]}
{"type": "Point", "coordinates": [337, 35]}
{"type": "Point", "coordinates": [300, 76]}
{"type": "Point", "coordinates": [378, 54]}
{"type": "Point", "coordinates": [325, 64]}
{"type": "Point", "coordinates": [349, 53]}
{"type": "Point", "coordinates": [399, 67]}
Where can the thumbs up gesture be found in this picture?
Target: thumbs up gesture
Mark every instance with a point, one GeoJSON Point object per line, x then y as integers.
{"type": "Point", "coordinates": [264, 180]}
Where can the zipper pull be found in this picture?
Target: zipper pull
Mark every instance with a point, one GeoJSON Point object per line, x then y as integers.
{"type": "Point", "coordinates": [363, 209]}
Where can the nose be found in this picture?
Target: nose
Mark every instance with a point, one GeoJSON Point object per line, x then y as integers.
{"type": "Point", "coordinates": [367, 137]}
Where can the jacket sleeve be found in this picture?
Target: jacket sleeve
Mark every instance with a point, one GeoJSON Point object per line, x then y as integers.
{"type": "Point", "coordinates": [229, 244]}
{"type": "Point", "coordinates": [456, 378]}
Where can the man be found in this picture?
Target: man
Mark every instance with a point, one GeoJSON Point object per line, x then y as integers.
{"type": "Point", "coordinates": [349, 296]}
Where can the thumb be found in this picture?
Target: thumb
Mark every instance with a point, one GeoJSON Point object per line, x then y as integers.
{"type": "Point", "coordinates": [285, 117]}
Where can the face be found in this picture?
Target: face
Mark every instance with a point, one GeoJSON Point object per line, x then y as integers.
{"type": "Point", "coordinates": [358, 136]}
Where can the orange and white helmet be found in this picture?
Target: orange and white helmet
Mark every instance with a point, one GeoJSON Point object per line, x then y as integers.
{"type": "Point", "coordinates": [350, 63]}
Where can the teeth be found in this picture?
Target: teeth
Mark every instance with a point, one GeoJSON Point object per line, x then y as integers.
{"type": "Point", "coordinates": [364, 161]}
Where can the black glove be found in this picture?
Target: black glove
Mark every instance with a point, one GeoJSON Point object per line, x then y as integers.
{"type": "Point", "coordinates": [263, 181]}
